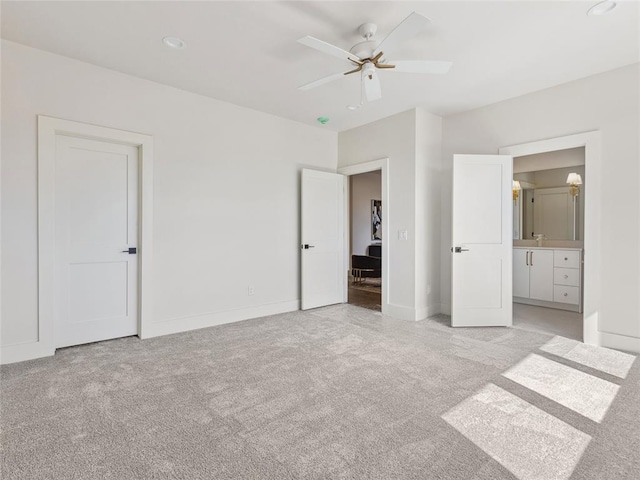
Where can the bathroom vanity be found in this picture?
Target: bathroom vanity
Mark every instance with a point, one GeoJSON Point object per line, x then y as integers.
{"type": "Point", "coordinates": [548, 277]}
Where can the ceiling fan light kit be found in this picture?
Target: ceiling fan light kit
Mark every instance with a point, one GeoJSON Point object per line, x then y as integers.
{"type": "Point", "coordinates": [368, 57]}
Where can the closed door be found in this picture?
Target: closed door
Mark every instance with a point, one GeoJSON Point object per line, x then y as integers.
{"type": "Point", "coordinates": [96, 234]}
{"type": "Point", "coordinates": [323, 269]}
{"type": "Point", "coordinates": [541, 275]}
{"type": "Point", "coordinates": [482, 241]}
{"type": "Point", "coordinates": [553, 213]}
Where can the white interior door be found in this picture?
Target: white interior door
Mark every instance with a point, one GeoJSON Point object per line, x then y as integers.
{"type": "Point", "coordinates": [323, 270]}
{"type": "Point", "coordinates": [96, 223]}
{"type": "Point", "coordinates": [482, 241]}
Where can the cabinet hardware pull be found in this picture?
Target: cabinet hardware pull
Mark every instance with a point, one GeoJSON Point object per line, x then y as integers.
{"type": "Point", "coordinates": [566, 276]}
{"type": "Point", "coordinates": [565, 259]}
{"type": "Point", "coordinates": [566, 294]}
{"type": "Point", "coordinates": [526, 258]}
{"type": "Point", "coordinates": [531, 259]}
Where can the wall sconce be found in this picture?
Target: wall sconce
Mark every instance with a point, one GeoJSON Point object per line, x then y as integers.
{"type": "Point", "coordinates": [574, 180]}
{"type": "Point", "coordinates": [516, 189]}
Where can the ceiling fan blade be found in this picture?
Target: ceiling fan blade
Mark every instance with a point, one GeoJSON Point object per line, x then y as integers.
{"type": "Point", "coordinates": [409, 27]}
{"type": "Point", "coordinates": [421, 66]}
{"type": "Point", "coordinates": [321, 81]}
{"type": "Point", "coordinates": [372, 88]}
{"type": "Point", "coordinates": [357, 69]}
{"type": "Point", "coordinates": [329, 49]}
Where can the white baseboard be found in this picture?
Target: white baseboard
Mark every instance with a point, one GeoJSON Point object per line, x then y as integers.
{"type": "Point", "coordinates": [25, 351]}
{"type": "Point", "coordinates": [428, 311]}
{"type": "Point", "coordinates": [620, 342]}
{"type": "Point", "coordinates": [185, 324]}
{"type": "Point", "coordinates": [399, 311]}
{"type": "Point", "coordinates": [409, 313]}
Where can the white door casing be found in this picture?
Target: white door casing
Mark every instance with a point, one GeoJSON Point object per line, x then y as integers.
{"type": "Point", "coordinates": [482, 241]}
{"type": "Point", "coordinates": [323, 272]}
{"type": "Point", "coordinates": [96, 222]}
{"type": "Point", "coordinates": [49, 129]}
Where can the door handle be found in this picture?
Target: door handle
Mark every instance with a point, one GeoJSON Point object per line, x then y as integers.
{"type": "Point", "coordinates": [460, 249]}
{"type": "Point", "coordinates": [306, 246]}
{"type": "Point", "coordinates": [130, 251]}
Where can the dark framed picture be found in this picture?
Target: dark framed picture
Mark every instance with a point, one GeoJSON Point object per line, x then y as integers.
{"type": "Point", "coordinates": [376, 219]}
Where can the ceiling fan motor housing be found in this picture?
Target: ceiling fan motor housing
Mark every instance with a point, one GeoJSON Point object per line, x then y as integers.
{"type": "Point", "coordinates": [365, 49]}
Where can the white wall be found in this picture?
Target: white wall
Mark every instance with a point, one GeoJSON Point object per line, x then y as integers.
{"type": "Point", "coordinates": [364, 187]}
{"type": "Point", "coordinates": [428, 212]}
{"type": "Point", "coordinates": [569, 157]}
{"type": "Point", "coordinates": [608, 102]}
{"type": "Point", "coordinates": [393, 137]}
{"type": "Point", "coordinates": [412, 142]}
{"type": "Point", "coordinates": [226, 190]}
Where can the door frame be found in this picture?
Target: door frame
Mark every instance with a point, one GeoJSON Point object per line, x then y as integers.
{"type": "Point", "coordinates": [381, 164]}
{"type": "Point", "coordinates": [591, 141]}
{"type": "Point", "coordinates": [48, 129]}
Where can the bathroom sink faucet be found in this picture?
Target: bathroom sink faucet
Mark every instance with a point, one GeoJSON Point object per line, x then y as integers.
{"type": "Point", "coordinates": [539, 238]}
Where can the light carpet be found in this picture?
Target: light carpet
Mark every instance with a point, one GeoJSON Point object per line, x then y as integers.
{"type": "Point", "coordinates": [338, 392]}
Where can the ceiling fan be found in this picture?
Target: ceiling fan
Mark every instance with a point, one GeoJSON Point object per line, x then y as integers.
{"type": "Point", "coordinates": [369, 56]}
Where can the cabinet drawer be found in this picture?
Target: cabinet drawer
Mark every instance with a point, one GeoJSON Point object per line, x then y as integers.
{"type": "Point", "coordinates": [566, 294]}
{"type": "Point", "coordinates": [566, 276]}
{"type": "Point", "coordinates": [566, 258]}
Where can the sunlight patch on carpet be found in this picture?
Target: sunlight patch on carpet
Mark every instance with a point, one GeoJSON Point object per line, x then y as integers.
{"type": "Point", "coordinates": [527, 441]}
{"type": "Point", "coordinates": [606, 360]}
{"type": "Point", "coordinates": [583, 393]}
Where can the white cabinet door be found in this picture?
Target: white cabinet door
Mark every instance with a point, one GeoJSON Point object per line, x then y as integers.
{"type": "Point", "coordinates": [521, 272]}
{"type": "Point", "coordinates": [541, 274]}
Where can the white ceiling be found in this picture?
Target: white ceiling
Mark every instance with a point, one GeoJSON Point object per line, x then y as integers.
{"type": "Point", "coordinates": [246, 52]}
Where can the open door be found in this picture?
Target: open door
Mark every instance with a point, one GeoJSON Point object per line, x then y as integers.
{"type": "Point", "coordinates": [482, 249]}
{"type": "Point", "coordinates": [323, 270]}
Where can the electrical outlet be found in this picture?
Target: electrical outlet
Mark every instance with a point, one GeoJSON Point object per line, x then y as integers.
{"type": "Point", "coordinates": [250, 290]}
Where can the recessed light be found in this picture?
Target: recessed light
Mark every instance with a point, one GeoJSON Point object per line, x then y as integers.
{"type": "Point", "coordinates": [174, 42]}
{"type": "Point", "coordinates": [602, 8]}
{"type": "Point", "coordinates": [353, 107]}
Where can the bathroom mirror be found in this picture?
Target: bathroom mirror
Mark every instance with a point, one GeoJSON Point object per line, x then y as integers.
{"type": "Point", "coordinates": [545, 204]}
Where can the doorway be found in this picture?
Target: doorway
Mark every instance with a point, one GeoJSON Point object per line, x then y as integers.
{"type": "Point", "coordinates": [95, 194]}
{"type": "Point", "coordinates": [586, 259]}
{"type": "Point", "coordinates": [364, 277]}
{"type": "Point", "coordinates": [548, 240]}
{"type": "Point", "coordinates": [381, 166]}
